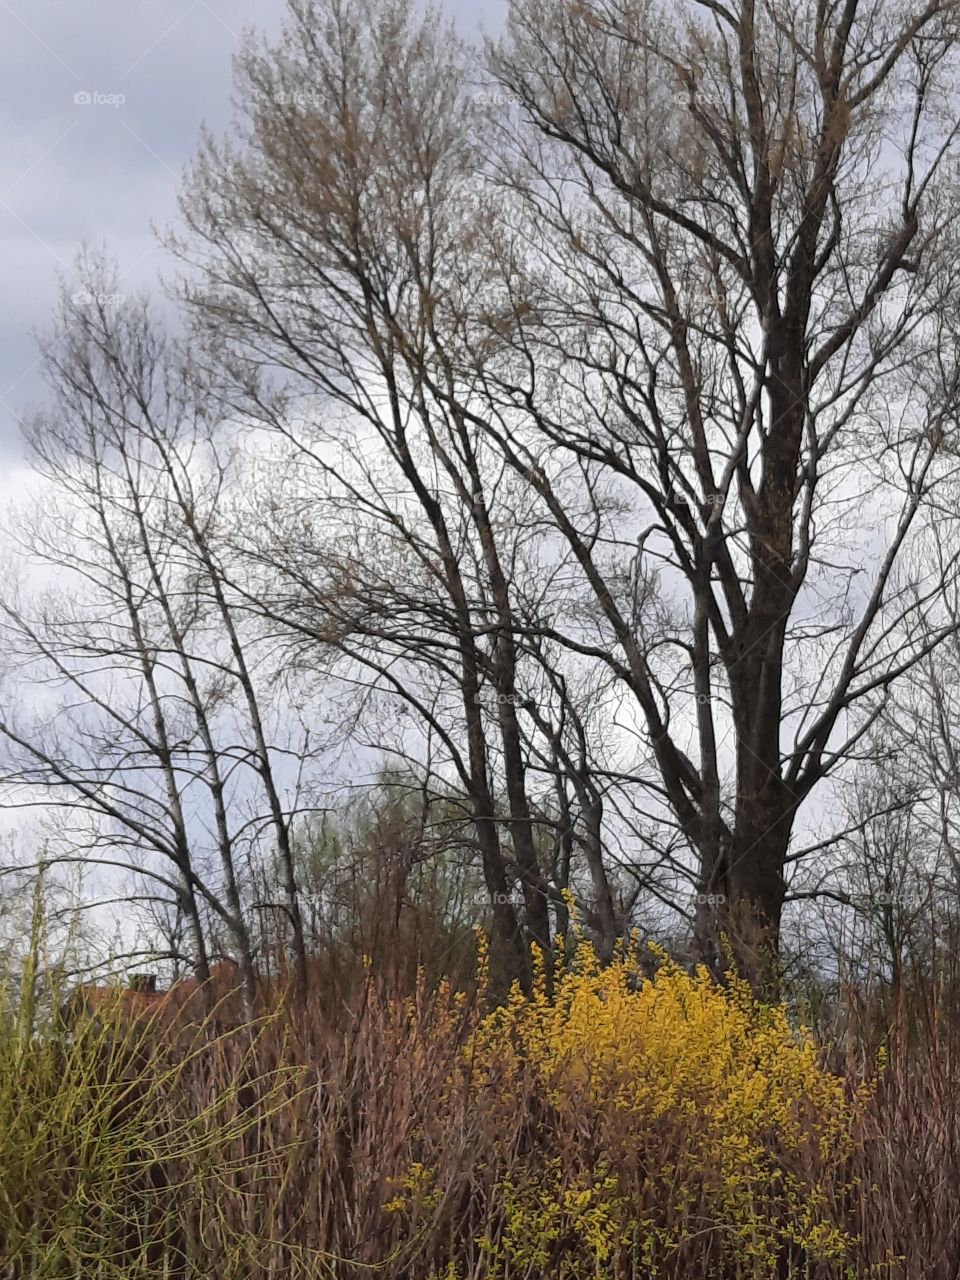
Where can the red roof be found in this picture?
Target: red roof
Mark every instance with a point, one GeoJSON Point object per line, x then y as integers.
{"type": "Point", "coordinates": [91, 997]}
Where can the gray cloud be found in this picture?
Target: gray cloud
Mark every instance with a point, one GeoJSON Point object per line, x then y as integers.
{"type": "Point", "coordinates": [99, 170]}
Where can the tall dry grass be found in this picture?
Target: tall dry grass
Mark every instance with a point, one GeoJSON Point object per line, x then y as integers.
{"type": "Point", "coordinates": [907, 1156]}
{"type": "Point", "coordinates": [622, 1127]}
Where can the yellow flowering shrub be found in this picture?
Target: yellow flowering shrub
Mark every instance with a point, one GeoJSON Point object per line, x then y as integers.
{"type": "Point", "coordinates": [416, 1191]}
{"type": "Point", "coordinates": [674, 1118]}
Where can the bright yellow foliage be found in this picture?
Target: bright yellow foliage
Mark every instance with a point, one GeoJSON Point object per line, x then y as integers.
{"type": "Point", "coordinates": [714, 1115]}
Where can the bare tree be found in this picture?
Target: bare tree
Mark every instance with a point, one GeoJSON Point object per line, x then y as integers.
{"type": "Point", "coordinates": [158, 733]}
{"type": "Point", "coordinates": [696, 296]}
{"type": "Point", "coordinates": [351, 192]}
{"type": "Point", "coordinates": [736, 229]}
{"type": "Point", "coordinates": [615, 388]}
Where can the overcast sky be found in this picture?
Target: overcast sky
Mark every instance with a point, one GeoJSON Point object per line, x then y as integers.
{"type": "Point", "coordinates": [101, 102]}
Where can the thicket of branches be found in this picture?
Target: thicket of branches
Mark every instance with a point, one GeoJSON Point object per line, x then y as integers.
{"type": "Point", "coordinates": [565, 432]}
